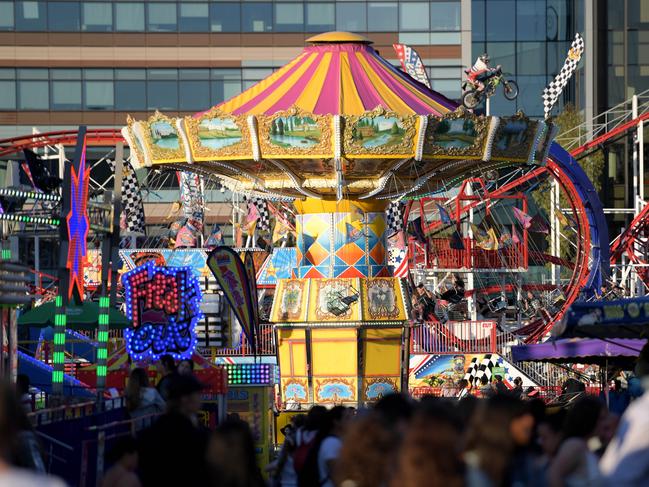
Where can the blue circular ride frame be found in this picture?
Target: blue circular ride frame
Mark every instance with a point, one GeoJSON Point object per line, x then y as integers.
{"type": "Point", "coordinates": [600, 259]}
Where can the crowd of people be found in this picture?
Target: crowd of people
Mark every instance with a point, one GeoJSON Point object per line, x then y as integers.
{"type": "Point", "coordinates": [494, 436]}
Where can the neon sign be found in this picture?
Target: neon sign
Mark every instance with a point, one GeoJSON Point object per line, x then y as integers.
{"type": "Point", "coordinates": [164, 305]}
{"type": "Point", "coordinates": [77, 224]}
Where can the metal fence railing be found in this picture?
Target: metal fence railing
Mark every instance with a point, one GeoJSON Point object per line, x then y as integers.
{"type": "Point", "coordinates": [454, 337]}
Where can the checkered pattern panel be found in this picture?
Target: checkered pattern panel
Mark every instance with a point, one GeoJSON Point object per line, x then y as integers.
{"type": "Point", "coordinates": [263, 223]}
{"type": "Point", "coordinates": [552, 92]}
{"type": "Point", "coordinates": [132, 204]}
{"type": "Point", "coordinates": [394, 217]}
{"type": "Point", "coordinates": [476, 369]}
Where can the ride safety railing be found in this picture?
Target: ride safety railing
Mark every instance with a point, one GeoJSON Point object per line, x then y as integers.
{"type": "Point", "coordinates": [265, 344]}
{"type": "Point", "coordinates": [440, 255]}
{"type": "Point", "coordinates": [454, 337]}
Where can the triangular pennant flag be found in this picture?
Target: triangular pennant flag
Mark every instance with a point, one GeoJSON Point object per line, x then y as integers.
{"type": "Point", "coordinates": [418, 231]}
{"type": "Point", "coordinates": [280, 231]}
{"type": "Point", "coordinates": [489, 243]}
{"type": "Point", "coordinates": [253, 213]}
{"type": "Point", "coordinates": [523, 218]}
{"type": "Point", "coordinates": [238, 235]}
{"type": "Point", "coordinates": [563, 221]}
{"type": "Point", "coordinates": [443, 215]}
{"type": "Point", "coordinates": [478, 233]}
{"type": "Point", "coordinates": [539, 225]}
{"type": "Point", "coordinates": [456, 241]}
{"type": "Point", "coordinates": [505, 239]}
{"type": "Point", "coordinates": [515, 238]}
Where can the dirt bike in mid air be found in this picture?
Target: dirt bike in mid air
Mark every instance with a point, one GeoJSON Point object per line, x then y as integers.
{"type": "Point", "coordinates": [472, 96]}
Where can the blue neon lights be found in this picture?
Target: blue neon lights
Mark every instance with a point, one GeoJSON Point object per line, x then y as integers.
{"type": "Point", "coordinates": [164, 305]}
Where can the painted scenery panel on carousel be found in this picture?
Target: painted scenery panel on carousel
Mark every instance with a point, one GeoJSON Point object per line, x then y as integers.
{"type": "Point", "coordinates": [367, 168]}
{"type": "Point", "coordinates": [214, 135]}
{"type": "Point", "coordinates": [163, 140]}
{"type": "Point", "coordinates": [379, 134]}
{"type": "Point", "coordinates": [383, 299]}
{"type": "Point", "coordinates": [459, 134]}
{"type": "Point", "coordinates": [328, 303]}
{"type": "Point", "coordinates": [290, 303]}
{"type": "Point", "coordinates": [514, 139]}
{"type": "Point", "coordinates": [294, 134]}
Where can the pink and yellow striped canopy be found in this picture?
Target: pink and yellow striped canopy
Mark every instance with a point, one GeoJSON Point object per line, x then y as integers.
{"type": "Point", "coordinates": [339, 76]}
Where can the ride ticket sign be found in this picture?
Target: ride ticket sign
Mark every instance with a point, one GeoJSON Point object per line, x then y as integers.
{"type": "Point", "coordinates": [164, 306]}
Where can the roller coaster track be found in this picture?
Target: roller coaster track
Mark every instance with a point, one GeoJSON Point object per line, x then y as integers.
{"type": "Point", "coordinates": [98, 137]}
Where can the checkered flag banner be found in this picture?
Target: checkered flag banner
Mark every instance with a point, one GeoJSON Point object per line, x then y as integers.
{"type": "Point", "coordinates": [191, 196]}
{"type": "Point", "coordinates": [394, 217]}
{"type": "Point", "coordinates": [476, 370]}
{"type": "Point", "coordinates": [132, 205]}
{"type": "Point", "coordinates": [552, 92]}
{"type": "Point", "coordinates": [263, 223]}
{"type": "Point", "coordinates": [412, 63]}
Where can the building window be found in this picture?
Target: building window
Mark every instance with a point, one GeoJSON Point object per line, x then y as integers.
{"type": "Point", "coordinates": [382, 16]}
{"type": "Point", "coordinates": [31, 16]}
{"type": "Point", "coordinates": [501, 19]}
{"type": "Point", "coordinates": [414, 16]}
{"type": "Point", "coordinates": [351, 17]}
{"type": "Point", "coordinates": [129, 17]}
{"type": "Point", "coordinates": [97, 17]}
{"type": "Point", "coordinates": [33, 95]}
{"type": "Point", "coordinates": [130, 95]}
{"type": "Point", "coordinates": [289, 17]}
{"type": "Point", "coordinates": [531, 24]}
{"type": "Point", "coordinates": [7, 95]}
{"type": "Point", "coordinates": [225, 17]}
{"type": "Point", "coordinates": [194, 95]}
{"type": "Point", "coordinates": [66, 95]}
{"type": "Point", "coordinates": [445, 16]}
{"type": "Point", "coordinates": [162, 89]}
{"type": "Point", "coordinates": [530, 57]}
{"type": "Point", "coordinates": [98, 89]}
{"type": "Point", "coordinates": [226, 83]}
{"type": "Point", "coordinates": [161, 17]}
{"type": "Point", "coordinates": [320, 17]}
{"type": "Point", "coordinates": [257, 17]}
{"type": "Point", "coordinates": [63, 16]}
{"type": "Point", "coordinates": [194, 17]}
{"type": "Point", "coordinates": [7, 16]}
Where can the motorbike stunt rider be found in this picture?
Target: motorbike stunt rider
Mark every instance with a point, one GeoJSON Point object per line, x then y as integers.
{"type": "Point", "coordinates": [481, 72]}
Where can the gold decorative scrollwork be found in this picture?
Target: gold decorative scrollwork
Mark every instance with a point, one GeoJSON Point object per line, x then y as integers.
{"type": "Point", "coordinates": [472, 124]}
{"type": "Point", "coordinates": [379, 133]}
{"type": "Point", "coordinates": [294, 134]}
{"type": "Point", "coordinates": [215, 125]}
{"type": "Point", "coordinates": [166, 130]}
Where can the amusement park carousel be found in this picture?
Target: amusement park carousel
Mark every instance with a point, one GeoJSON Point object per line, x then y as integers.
{"type": "Point", "coordinates": [342, 134]}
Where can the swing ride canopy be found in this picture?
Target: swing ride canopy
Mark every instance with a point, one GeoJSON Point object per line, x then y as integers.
{"type": "Point", "coordinates": [337, 120]}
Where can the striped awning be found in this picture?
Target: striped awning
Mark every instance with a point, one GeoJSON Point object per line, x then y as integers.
{"type": "Point", "coordinates": [338, 74]}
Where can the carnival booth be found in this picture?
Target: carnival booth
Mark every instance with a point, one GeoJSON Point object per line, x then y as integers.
{"type": "Point", "coordinates": [340, 132]}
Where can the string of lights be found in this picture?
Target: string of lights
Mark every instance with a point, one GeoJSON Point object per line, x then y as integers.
{"type": "Point", "coordinates": [30, 195]}
{"type": "Point", "coordinates": [30, 219]}
{"type": "Point", "coordinates": [58, 358]}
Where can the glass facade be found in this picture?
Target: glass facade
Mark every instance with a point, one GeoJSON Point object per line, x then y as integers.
{"type": "Point", "coordinates": [530, 39]}
{"type": "Point", "coordinates": [227, 16]}
{"type": "Point", "coordinates": [627, 47]}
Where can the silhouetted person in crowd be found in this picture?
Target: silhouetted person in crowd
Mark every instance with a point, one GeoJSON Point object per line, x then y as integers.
{"type": "Point", "coordinates": [10, 475]}
{"type": "Point", "coordinates": [167, 367]}
{"type": "Point", "coordinates": [500, 386]}
{"type": "Point", "coordinates": [626, 460]}
{"type": "Point", "coordinates": [185, 367]}
{"type": "Point", "coordinates": [497, 444]}
{"type": "Point", "coordinates": [172, 451]}
{"type": "Point", "coordinates": [574, 464]}
{"type": "Point", "coordinates": [231, 458]}
{"type": "Point", "coordinates": [22, 388]}
{"type": "Point", "coordinates": [123, 458]}
{"type": "Point", "coordinates": [142, 400]}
